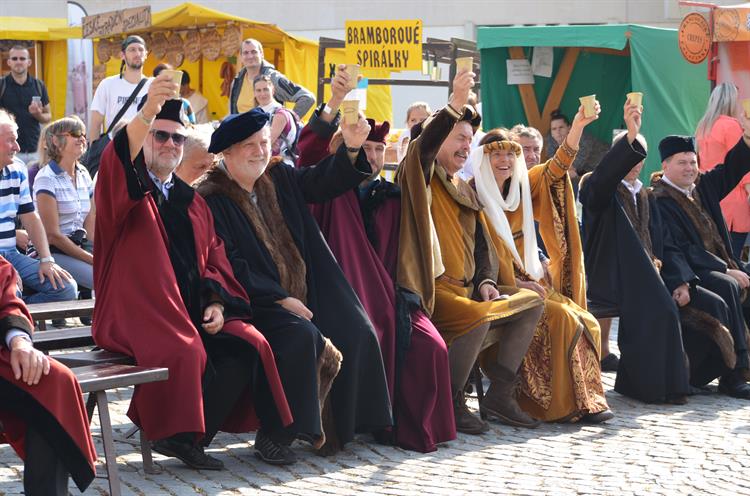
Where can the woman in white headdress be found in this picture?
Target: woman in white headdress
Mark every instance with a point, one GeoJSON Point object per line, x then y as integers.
{"type": "Point", "coordinates": [560, 375]}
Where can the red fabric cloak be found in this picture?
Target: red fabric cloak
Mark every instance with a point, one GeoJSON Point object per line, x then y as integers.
{"type": "Point", "coordinates": [58, 393]}
{"type": "Point", "coordinates": [140, 312]}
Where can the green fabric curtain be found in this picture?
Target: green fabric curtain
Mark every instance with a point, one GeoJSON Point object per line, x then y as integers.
{"type": "Point", "coordinates": [675, 91]}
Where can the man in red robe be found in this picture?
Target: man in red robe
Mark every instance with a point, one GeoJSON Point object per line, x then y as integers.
{"type": "Point", "coordinates": [42, 414]}
{"type": "Point", "coordinates": [362, 229]}
{"type": "Point", "coordinates": [166, 294]}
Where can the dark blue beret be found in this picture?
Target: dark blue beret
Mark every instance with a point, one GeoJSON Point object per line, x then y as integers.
{"type": "Point", "coordinates": [236, 127]}
{"type": "Point", "coordinates": [675, 144]}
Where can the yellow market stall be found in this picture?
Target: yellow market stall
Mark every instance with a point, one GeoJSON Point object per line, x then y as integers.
{"type": "Point", "coordinates": [47, 47]}
{"type": "Point", "coordinates": [206, 42]}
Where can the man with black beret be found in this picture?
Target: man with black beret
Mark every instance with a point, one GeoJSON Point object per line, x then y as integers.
{"type": "Point", "coordinates": [688, 202]}
{"type": "Point", "coordinates": [167, 297]}
{"type": "Point", "coordinates": [281, 259]}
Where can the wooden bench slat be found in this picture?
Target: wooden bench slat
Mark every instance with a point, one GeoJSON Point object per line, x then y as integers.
{"type": "Point", "coordinates": [61, 309]}
{"type": "Point", "coordinates": [82, 358]}
{"type": "Point", "coordinates": [103, 376]}
{"type": "Point", "coordinates": [58, 339]}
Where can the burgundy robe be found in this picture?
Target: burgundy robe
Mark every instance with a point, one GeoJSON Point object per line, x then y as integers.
{"type": "Point", "coordinates": [55, 404]}
{"type": "Point", "coordinates": [140, 311]}
{"type": "Point", "coordinates": [420, 392]}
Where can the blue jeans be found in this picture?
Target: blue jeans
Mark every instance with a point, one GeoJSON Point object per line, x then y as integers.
{"type": "Point", "coordinates": [28, 269]}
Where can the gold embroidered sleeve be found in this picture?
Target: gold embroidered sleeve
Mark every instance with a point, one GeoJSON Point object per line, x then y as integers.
{"type": "Point", "coordinates": [558, 165]}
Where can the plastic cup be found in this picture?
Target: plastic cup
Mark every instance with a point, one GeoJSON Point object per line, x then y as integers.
{"type": "Point", "coordinates": [351, 111]}
{"type": "Point", "coordinates": [746, 107]}
{"type": "Point", "coordinates": [176, 77]}
{"type": "Point", "coordinates": [589, 103]}
{"type": "Point", "coordinates": [36, 99]}
{"type": "Point", "coordinates": [636, 98]}
{"type": "Point", "coordinates": [353, 71]}
{"type": "Point", "coordinates": [464, 64]}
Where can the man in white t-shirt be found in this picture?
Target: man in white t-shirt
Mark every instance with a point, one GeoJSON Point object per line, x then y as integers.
{"type": "Point", "coordinates": [113, 92]}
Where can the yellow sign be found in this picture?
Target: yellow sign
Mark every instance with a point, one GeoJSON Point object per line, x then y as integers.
{"type": "Point", "coordinates": [394, 45]}
{"type": "Point", "coordinates": [116, 22]}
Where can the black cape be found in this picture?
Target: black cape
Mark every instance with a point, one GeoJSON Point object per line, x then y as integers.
{"type": "Point", "coordinates": [692, 258]}
{"type": "Point", "coordinates": [359, 395]}
{"type": "Point", "coordinates": [622, 281]}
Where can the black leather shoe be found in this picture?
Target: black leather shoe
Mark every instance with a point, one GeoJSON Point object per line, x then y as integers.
{"type": "Point", "coordinates": [191, 455]}
{"type": "Point", "coordinates": [610, 363]}
{"type": "Point", "coordinates": [597, 418]}
{"type": "Point", "coordinates": [272, 451]}
{"type": "Point", "coordinates": [734, 387]}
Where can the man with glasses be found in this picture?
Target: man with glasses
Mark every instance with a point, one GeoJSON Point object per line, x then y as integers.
{"type": "Point", "coordinates": [167, 297]}
{"type": "Point", "coordinates": [26, 98]}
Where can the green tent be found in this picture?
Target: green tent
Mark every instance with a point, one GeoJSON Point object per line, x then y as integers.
{"type": "Point", "coordinates": [609, 60]}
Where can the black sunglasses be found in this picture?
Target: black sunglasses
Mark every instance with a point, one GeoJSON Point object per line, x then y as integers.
{"type": "Point", "coordinates": [18, 58]}
{"type": "Point", "coordinates": [162, 137]}
{"type": "Point", "coordinates": [74, 134]}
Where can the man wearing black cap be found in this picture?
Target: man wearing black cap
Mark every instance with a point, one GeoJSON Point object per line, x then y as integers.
{"type": "Point", "coordinates": [113, 92]}
{"type": "Point", "coordinates": [167, 297]}
{"type": "Point", "coordinates": [689, 204]}
{"type": "Point", "coordinates": [279, 256]}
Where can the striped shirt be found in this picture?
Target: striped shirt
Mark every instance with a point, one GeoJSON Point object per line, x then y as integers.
{"type": "Point", "coordinates": [15, 199]}
{"type": "Point", "coordinates": [73, 201]}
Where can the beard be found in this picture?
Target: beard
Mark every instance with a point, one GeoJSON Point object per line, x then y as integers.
{"type": "Point", "coordinates": [162, 166]}
{"type": "Point", "coordinates": [136, 65]}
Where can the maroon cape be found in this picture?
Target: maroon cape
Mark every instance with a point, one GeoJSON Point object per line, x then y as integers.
{"type": "Point", "coordinates": [59, 412]}
{"type": "Point", "coordinates": [140, 312]}
{"type": "Point", "coordinates": [423, 409]}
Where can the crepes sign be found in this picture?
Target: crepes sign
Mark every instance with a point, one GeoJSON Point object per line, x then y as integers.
{"type": "Point", "coordinates": [395, 45]}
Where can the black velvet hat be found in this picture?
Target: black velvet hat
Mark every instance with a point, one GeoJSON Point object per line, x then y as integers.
{"type": "Point", "coordinates": [172, 110]}
{"type": "Point", "coordinates": [675, 144]}
{"type": "Point", "coordinates": [236, 127]}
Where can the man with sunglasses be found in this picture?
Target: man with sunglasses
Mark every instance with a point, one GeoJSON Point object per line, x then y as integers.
{"type": "Point", "coordinates": [166, 294]}
{"type": "Point", "coordinates": [26, 98]}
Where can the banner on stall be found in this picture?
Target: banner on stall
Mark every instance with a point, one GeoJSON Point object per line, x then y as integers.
{"type": "Point", "coordinates": [394, 45]}
{"type": "Point", "coordinates": [116, 22]}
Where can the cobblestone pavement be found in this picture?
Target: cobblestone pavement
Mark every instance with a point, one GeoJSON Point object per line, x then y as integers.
{"type": "Point", "coordinates": [699, 448]}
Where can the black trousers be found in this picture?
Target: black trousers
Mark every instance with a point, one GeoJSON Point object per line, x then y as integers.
{"type": "Point", "coordinates": [43, 471]}
{"type": "Point", "coordinates": [729, 290]}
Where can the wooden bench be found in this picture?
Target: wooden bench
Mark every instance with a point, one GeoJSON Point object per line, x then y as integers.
{"type": "Point", "coordinates": [41, 312]}
{"type": "Point", "coordinates": [60, 339]}
{"type": "Point", "coordinates": [96, 380]}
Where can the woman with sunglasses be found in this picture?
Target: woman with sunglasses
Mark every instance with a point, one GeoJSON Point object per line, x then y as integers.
{"type": "Point", "coordinates": [63, 195]}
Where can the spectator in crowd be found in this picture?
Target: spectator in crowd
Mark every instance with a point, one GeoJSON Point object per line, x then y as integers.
{"type": "Point", "coordinates": [717, 133]}
{"type": "Point", "coordinates": [48, 281]}
{"type": "Point", "coordinates": [198, 102]}
{"type": "Point", "coordinates": [164, 287]}
{"type": "Point", "coordinates": [531, 142]}
{"type": "Point", "coordinates": [284, 126]}
{"type": "Point", "coordinates": [446, 260]}
{"type": "Point", "coordinates": [186, 107]}
{"type": "Point", "coordinates": [282, 259]}
{"type": "Point", "coordinates": [590, 150]}
{"type": "Point", "coordinates": [560, 375]}
{"type": "Point", "coordinates": [416, 113]}
{"type": "Point", "coordinates": [113, 91]}
{"type": "Point", "coordinates": [26, 98]}
{"type": "Point", "coordinates": [689, 203]}
{"type": "Point", "coordinates": [63, 193]}
{"type": "Point", "coordinates": [361, 228]}
{"type": "Point", "coordinates": [241, 95]}
{"type": "Point", "coordinates": [43, 416]}
{"type": "Point", "coordinates": [196, 159]}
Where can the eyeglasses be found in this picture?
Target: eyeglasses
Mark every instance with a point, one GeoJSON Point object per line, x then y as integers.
{"type": "Point", "coordinates": [22, 59]}
{"type": "Point", "coordinates": [162, 137]}
{"type": "Point", "coordinates": [74, 134]}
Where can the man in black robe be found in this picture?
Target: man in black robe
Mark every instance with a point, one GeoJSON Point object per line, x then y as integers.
{"type": "Point", "coordinates": [688, 202]}
{"type": "Point", "coordinates": [623, 281]}
{"type": "Point", "coordinates": [280, 257]}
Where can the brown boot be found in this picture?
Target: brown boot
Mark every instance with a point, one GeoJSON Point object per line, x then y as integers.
{"type": "Point", "coordinates": [329, 365]}
{"type": "Point", "coordinates": [500, 401]}
{"type": "Point", "coordinates": [465, 421]}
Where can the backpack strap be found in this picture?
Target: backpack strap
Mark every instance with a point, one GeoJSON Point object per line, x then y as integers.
{"type": "Point", "coordinates": [125, 107]}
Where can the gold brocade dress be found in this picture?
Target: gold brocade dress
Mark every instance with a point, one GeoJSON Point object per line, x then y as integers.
{"type": "Point", "coordinates": [560, 375]}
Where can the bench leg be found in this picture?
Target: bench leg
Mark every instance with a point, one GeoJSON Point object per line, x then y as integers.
{"type": "Point", "coordinates": [90, 405]}
{"type": "Point", "coordinates": [148, 460]}
{"type": "Point", "coordinates": [110, 456]}
{"type": "Point", "coordinates": [477, 375]}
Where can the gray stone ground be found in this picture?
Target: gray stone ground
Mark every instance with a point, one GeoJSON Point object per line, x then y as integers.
{"type": "Point", "coordinates": [699, 448]}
